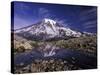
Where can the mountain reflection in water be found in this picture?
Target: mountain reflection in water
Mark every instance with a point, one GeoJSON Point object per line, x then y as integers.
{"type": "Point", "coordinates": [49, 51]}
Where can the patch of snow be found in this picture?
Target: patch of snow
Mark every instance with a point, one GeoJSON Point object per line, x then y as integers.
{"type": "Point", "coordinates": [52, 22]}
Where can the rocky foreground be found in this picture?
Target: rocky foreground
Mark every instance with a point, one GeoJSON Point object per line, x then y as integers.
{"type": "Point", "coordinates": [87, 45]}
{"type": "Point", "coordinates": [46, 66]}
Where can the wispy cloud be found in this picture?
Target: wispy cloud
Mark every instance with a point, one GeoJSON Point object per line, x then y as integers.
{"type": "Point", "coordinates": [88, 18]}
{"type": "Point", "coordinates": [44, 13]}
{"type": "Point", "coordinates": [23, 8]}
{"type": "Point", "coordinates": [93, 10]}
{"type": "Point", "coordinates": [89, 23]}
{"type": "Point", "coordinates": [90, 26]}
{"type": "Point", "coordinates": [85, 15]}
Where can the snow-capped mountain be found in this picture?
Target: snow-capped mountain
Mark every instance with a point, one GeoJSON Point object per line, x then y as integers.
{"type": "Point", "coordinates": [46, 29]}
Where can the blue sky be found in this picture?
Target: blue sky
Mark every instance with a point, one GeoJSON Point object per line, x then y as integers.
{"type": "Point", "coordinates": [82, 18]}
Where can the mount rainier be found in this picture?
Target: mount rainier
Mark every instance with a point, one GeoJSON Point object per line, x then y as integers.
{"type": "Point", "coordinates": [45, 30]}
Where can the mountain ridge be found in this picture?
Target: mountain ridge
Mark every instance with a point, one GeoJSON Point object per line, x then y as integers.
{"type": "Point", "coordinates": [47, 29]}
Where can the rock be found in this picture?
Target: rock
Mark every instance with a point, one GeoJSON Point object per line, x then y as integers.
{"type": "Point", "coordinates": [46, 66]}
